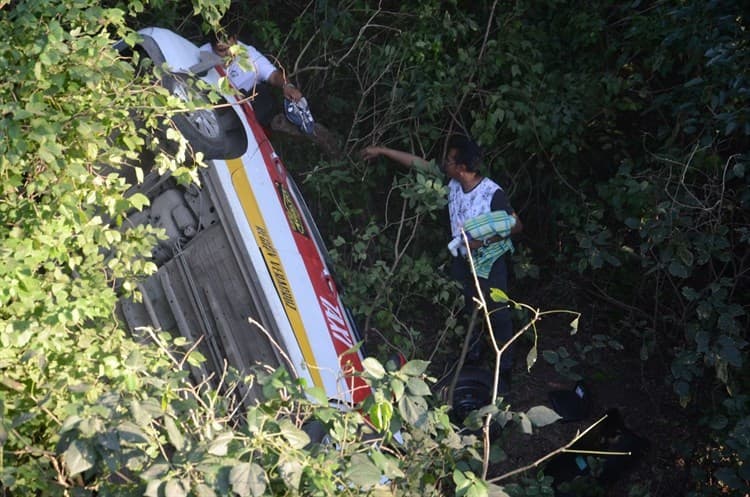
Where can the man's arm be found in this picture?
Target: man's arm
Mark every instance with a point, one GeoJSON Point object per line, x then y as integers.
{"type": "Point", "coordinates": [278, 80]}
{"type": "Point", "coordinates": [404, 158]}
{"type": "Point", "coordinates": [269, 73]}
{"type": "Point", "coordinates": [500, 203]}
{"type": "Point", "coordinates": [518, 227]}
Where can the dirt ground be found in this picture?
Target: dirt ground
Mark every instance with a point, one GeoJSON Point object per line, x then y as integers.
{"type": "Point", "coordinates": [618, 380]}
{"type": "Point", "coordinates": [613, 380]}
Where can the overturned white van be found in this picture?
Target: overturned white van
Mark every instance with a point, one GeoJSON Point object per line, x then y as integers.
{"type": "Point", "coordinates": [244, 270]}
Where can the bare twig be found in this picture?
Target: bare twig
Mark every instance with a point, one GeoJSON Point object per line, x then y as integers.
{"type": "Point", "coordinates": [275, 344]}
{"type": "Point", "coordinates": [565, 448]}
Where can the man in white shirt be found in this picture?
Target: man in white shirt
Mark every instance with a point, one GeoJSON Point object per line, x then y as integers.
{"type": "Point", "coordinates": [253, 81]}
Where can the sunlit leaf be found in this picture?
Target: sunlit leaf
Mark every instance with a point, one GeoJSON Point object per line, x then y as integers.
{"type": "Point", "coordinates": [417, 386]}
{"type": "Point", "coordinates": [381, 414]}
{"type": "Point", "coordinates": [78, 457]}
{"type": "Point", "coordinates": [248, 480]}
{"type": "Point", "coordinates": [220, 445]}
{"type": "Point", "coordinates": [387, 464]}
{"type": "Point", "coordinates": [498, 295]}
{"type": "Point", "coordinates": [173, 433]}
{"type": "Point", "coordinates": [574, 326]}
{"type": "Point", "coordinates": [531, 358]}
{"type": "Point", "coordinates": [175, 488]}
{"type": "Point", "coordinates": [413, 409]}
{"type": "Point", "coordinates": [362, 472]}
{"type": "Point", "coordinates": [296, 437]}
{"type": "Point", "coordinates": [373, 367]}
{"type": "Point", "coordinates": [415, 367]}
{"type": "Point", "coordinates": [542, 416]}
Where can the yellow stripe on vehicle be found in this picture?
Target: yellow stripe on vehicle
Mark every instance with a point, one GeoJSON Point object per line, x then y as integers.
{"type": "Point", "coordinates": [273, 261]}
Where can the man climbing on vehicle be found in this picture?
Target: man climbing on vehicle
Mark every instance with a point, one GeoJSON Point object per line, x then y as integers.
{"type": "Point", "coordinates": [480, 207]}
{"type": "Point", "coordinates": [254, 76]}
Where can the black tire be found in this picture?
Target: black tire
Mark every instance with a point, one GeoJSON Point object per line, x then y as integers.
{"type": "Point", "coordinates": [473, 391]}
{"type": "Point", "coordinates": [217, 132]}
{"type": "Point", "coordinates": [201, 127]}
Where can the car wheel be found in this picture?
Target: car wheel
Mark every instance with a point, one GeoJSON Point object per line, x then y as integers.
{"type": "Point", "coordinates": [202, 127]}
{"type": "Point", "coordinates": [473, 391]}
{"type": "Point", "coordinates": [216, 131]}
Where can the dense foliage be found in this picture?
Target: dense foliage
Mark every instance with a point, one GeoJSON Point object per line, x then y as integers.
{"type": "Point", "coordinates": [620, 129]}
{"type": "Point", "coordinates": [86, 409]}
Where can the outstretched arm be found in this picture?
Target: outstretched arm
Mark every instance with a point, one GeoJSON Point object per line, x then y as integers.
{"type": "Point", "coordinates": [278, 80]}
{"type": "Point", "coordinates": [404, 158]}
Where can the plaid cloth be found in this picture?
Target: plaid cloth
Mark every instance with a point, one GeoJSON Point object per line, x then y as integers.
{"type": "Point", "coordinates": [485, 226]}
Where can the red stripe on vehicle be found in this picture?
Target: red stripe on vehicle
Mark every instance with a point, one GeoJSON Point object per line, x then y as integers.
{"type": "Point", "coordinates": [328, 297]}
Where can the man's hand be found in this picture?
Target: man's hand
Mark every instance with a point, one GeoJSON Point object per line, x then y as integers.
{"type": "Point", "coordinates": [369, 153]}
{"type": "Point", "coordinates": [292, 93]}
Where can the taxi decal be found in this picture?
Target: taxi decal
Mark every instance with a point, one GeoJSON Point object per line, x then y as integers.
{"type": "Point", "coordinates": [292, 211]}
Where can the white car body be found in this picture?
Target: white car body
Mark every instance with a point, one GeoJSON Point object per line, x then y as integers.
{"type": "Point", "coordinates": [243, 247]}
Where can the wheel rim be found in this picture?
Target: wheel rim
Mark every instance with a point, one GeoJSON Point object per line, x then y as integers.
{"type": "Point", "coordinates": [205, 121]}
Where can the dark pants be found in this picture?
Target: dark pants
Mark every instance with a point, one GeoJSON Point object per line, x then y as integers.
{"type": "Point", "coordinates": [500, 317]}
{"type": "Point", "coordinates": [264, 103]}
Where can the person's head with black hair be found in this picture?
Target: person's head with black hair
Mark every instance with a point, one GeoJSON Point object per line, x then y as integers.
{"type": "Point", "coordinates": [462, 150]}
{"type": "Point", "coordinates": [221, 42]}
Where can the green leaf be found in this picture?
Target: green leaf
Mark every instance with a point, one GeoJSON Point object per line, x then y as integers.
{"type": "Point", "coordinates": [531, 358]}
{"type": "Point", "coordinates": [498, 295]}
{"type": "Point", "coordinates": [685, 255]}
{"type": "Point", "coordinates": [248, 480]}
{"type": "Point", "coordinates": [362, 473]}
{"type": "Point", "coordinates": [220, 444]}
{"type": "Point", "coordinates": [677, 269]}
{"type": "Point", "coordinates": [381, 414]}
{"type": "Point", "coordinates": [387, 464]}
{"type": "Point", "coordinates": [78, 457]}
{"type": "Point", "coordinates": [296, 437]}
{"type": "Point", "coordinates": [175, 488]}
{"type": "Point", "coordinates": [728, 476]}
{"type": "Point", "coordinates": [152, 488]}
{"type": "Point", "coordinates": [203, 490]}
{"type": "Point", "coordinates": [468, 484]}
{"type": "Point", "coordinates": [373, 368]}
{"type": "Point", "coordinates": [496, 491]}
{"type": "Point", "coordinates": [317, 395]}
{"type": "Point", "coordinates": [574, 325]}
{"type": "Point", "coordinates": [398, 388]}
{"type": "Point", "coordinates": [413, 410]}
{"type": "Point", "coordinates": [291, 471]}
{"type": "Point", "coordinates": [551, 356]}
{"type": "Point", "coordinates": [417, 386]}
{"type": "Point", "coordinates": [542, 416]}
{"type": "Point", "coordinates": [139, 201]}
{"type": "Point", "coordinates": [173, 433]}
{"type": "Point", "coordinates": [415, 367]}
{"type": "Point", "coordinates": [526, 424]}
{"type": "Point", "coordinates": [130, 432]}
{"type": "Point", "coordinates": [155, 472]}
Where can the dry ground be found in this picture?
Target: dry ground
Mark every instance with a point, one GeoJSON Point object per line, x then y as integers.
{"type": "Point", "coordinates": [618, 379]}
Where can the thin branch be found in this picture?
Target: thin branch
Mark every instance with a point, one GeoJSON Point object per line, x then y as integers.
{"type": "Point", "coordinates": [565, 448]}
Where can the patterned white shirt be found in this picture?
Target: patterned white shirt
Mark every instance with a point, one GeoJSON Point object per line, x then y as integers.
{"type": "Point", "coordinates": [464, 206]}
